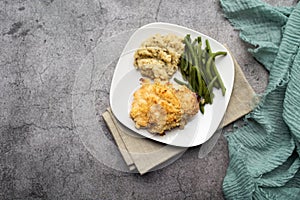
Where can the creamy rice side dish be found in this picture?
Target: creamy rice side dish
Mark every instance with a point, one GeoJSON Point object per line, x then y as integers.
{"type": "Point", "coordinates": [158, 56]}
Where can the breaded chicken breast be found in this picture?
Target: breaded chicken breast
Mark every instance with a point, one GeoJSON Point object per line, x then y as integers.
{"type": "Point", "coordinates": [160, 106]}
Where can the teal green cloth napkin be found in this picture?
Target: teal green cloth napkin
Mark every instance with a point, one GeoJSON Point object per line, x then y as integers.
{"type": "Point", "coordinates": [264, 154]}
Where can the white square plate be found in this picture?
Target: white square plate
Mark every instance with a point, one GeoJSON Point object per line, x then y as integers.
{"type": "Point", "coordinates": [126, 80]}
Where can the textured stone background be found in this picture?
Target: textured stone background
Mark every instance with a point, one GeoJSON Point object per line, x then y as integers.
{"type": "Point", "coordinates": [42, 45]}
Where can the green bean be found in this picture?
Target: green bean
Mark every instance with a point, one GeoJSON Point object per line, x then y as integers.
{"type": "Point", "coordinates": [186, 62]}
{"type": "Point", "coordinates": [194, 42]}
{"type": "Point", "coordinates": [192, 82]}
{"type": "Point", "coordinates": [219, 79]}
{"type": "Point", "coordinates": [207, 67]}
{"type": "Point", "coordinates": [194, 79]}
{"type": "Point", "coordinates": [204, 59]}
{"type": "Point", "coordinates": [187, 38]}
{"type": "Point", "coordinates": [206, 95]}
{"type": "Point", "coordinates": [199, 79]}
{"type": "Point", "coordinates": [200, 51]}
{"type": "Point", "coordinates": [191, 50]}
{"type": "Point", "coordinates": [216, 84]}
{"type": "Point", "coordinates": [183, 83]}
{"type": "Point", "coordinates": [179, 82]}
{"type": "Point", "coordinates": [211, 84]}
{"type": "Point", "coordinates": [209, 97]}
{"type": "Point", "coordinates": [199, 39]}
{"type": "Point", "coordinates": [219, 53]}
{"type": "Point", "coordinates": [206, 50]}
{"type": "Point", "coordinates": [181, 62]}
{"type": "Point", "coordinates": [201, 106]}
{"type": "Point", "coordinates": [210, 60]}
{"type": "Point", "coordinates": [190, 66]}
{"type": "Point", "coordinates": [216, 73]}
{"type": "Point", "coordinates": [208, 47]}
{"type": "Point", "coordinates": [198, 68]}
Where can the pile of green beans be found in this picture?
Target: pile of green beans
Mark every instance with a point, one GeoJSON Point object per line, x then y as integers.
{"type": "Point", "coordinates": [197, 67]}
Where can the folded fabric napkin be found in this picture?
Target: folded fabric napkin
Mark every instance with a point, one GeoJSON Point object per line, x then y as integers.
{"type": "Point", "coordinates": [143, 155]}
{"type": "Point", "coordinates": [264, 155]}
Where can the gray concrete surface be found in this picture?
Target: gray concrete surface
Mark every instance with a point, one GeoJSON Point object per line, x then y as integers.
{"type": "Point", "coordinates": [42, 45]}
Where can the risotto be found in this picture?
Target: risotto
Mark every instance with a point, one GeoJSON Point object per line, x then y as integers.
{"type": "Point", "coordinates": [158, 56]}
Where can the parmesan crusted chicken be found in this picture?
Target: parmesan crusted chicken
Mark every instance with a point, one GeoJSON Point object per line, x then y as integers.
{"type": "Point", "coordinates": [161, 106]}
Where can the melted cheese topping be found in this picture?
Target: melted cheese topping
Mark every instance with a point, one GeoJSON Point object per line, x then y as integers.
{"type": "Point", "coordinates": [160, 101]}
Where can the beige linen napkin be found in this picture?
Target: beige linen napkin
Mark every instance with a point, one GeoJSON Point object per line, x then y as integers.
{"type": "Point", "coordinates": [144, 155]}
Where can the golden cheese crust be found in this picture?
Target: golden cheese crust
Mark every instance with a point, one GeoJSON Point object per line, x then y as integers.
{"type": "Point", "coordinates": [159, 106]}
